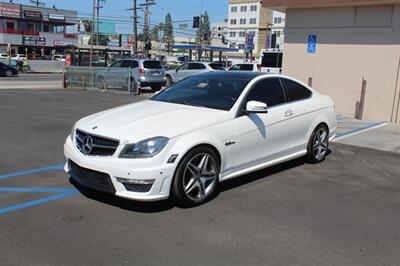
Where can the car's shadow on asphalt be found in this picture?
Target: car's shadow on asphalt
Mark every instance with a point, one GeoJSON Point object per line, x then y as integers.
{"type": "Point", "coordinates": [165, 205]}
{"type": "Point", "coordinates": [130, 205]}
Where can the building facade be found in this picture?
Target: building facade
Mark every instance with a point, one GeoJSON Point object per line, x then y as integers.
{"type": "Point", "coordinates": [219, 31]}
{"type": "Point", "coordinates": [249, 17]}
{"type": "Point", "coordinates": [340, 43]}
{"type": "Point", "coordinates": [37, 31]}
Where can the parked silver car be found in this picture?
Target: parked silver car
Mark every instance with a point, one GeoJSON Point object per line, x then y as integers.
{"type": "Point", "coordinates": [143, 73]}
{"type": "Point", "coordinates": [191, 68]}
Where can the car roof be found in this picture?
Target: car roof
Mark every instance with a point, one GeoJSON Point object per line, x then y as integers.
{"type": "Point", "coordinates": [233, 74]}
{"type": "Point", "coordinates": [138, 59]}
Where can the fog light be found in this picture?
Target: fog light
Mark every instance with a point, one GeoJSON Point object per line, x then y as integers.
{"type": "Point", "coordinates": [137, 185]}
{"type": "Point", "coordinates": [136, 181]}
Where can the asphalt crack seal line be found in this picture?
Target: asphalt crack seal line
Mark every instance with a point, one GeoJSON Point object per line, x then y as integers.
{"type": "Point", "coordinates": [59, 192]}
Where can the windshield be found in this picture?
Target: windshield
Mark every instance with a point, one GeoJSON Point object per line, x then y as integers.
{"type": "Point", "coordinates": [217, 66]}
{"type": "Point", "coordinates": [216, 92]}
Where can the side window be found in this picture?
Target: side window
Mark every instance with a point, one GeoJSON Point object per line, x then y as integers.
{"type": "Point", "coordinates": [117, 64]}
{"type": "Point", "coordinates": [295, 91]}
{"type": "Point", "coordinates": [133, 64]}
{"type": "Point", "coordinates": [196, 66]}
{"type": "Point", "coordinates": [183, 67]}
{"type": "Point", "coordinates": [246, 67]}
{"type": "Point", "coordinates": [235, 67]}
{"type": "Point", "coordinates": [268, 91]}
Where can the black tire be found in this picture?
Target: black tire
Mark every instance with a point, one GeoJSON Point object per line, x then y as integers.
{"type": "Point", "coordinates": [169, 81]}
{"type": "Point", "coordinates": [318, 145]}
{"type": "Point", "coordinates": [101, 83]}
{"type": "Point", "coordinates": [155, 88]}
{"type": "Point", "coordinates": [8, 73]}
{"type": "Point", "coordinates": [135, 89]}
{"type": "Point", "coordinates": [203, 182]}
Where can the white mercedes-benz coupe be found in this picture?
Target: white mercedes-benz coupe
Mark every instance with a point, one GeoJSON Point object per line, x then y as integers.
{"type": "Point", "coordinates": [200, 131]}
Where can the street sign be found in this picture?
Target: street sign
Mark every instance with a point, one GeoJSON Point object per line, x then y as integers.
{"type": "Point", "coordinates": [183, 26]}
{"type": "Point", "coordinates": [249, 42]}
{"type": "Point", "coordinates": [312, 44]}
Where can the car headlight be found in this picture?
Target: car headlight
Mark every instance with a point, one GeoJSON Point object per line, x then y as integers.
{"type": "Point", "coordinates": [144, 149]}
{"type": "Point", "coordinates": [71, 135]}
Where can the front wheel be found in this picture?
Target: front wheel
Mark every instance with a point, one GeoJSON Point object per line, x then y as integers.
{"type": "Point", "coordinates": [317, 148]}
{"type": "Point", "coordinates": [169, 81]}
{"type": "Point", "coordinates": [101, 83]}
{"type": "Point", "coordinates": [9, 73]}
{"type": "Point", "coordinates": [134, 87]}
{"type": "Point", "coordinates": [196, 177]}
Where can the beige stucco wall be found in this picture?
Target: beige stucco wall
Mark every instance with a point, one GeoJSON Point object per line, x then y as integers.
{"type": "Point", "coordinates": [352, 43]}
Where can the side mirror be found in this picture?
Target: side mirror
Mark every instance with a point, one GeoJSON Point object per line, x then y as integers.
{"type": "Point", "coordinates": [256, 107]}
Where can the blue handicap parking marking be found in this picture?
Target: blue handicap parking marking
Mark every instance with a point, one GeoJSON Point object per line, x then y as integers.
{"type": "Point", "coordinates": [59, 193]}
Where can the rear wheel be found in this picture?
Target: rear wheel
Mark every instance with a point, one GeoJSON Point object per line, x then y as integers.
{"type": "Point", "coordinates": [9, 73]}
{"type": "Point", "coordinates": [196, 177]}
{"type": "Point", "coordinates": [317, 148]}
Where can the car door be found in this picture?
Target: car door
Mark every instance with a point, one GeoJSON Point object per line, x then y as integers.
{"type": "Point", "coordinates": [110, 74]}
{"type": "Point", "coordinates": [195, 68]}
{"type": "Point", "coordinates": [303, 110]}
{"type": "Point", "coordinates": [264, 136]}
{"type": "Point", "coordinates": [181, 72]}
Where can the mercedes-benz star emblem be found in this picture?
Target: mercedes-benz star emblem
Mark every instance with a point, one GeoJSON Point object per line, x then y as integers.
{"type": "Point", "coordinates": [87, 145]}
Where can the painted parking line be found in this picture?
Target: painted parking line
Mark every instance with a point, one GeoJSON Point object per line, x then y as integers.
{"type": "Point", "coordinates": [37, 202]}
{"type": "Point", "coordinates": [33, 171]}
{"type": "Point", "coordinates": [356, 131]}
{"type": "Point", "coordinates": [59, 193]}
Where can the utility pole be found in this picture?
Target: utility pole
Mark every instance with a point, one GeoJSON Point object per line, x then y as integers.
{"type": "Point", "coordinates": [135, 33]}
{"type": "Point", "coordinates": [92, 34]}
{"type": "Point", "coordinates": [98, 20]}
{"type": "Point", "coordinates": [146, 19]}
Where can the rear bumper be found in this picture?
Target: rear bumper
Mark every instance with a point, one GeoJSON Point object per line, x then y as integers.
{"type": "Point", "coordinates": [152, 83]}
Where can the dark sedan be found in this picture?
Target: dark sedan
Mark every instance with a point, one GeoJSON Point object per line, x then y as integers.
{"type": "Point", "coordinates": [8, 71]}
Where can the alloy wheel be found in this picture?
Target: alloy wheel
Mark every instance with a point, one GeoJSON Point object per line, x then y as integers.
{"type": "Point", "coordinates": [320, 143]}
{"type": "Point", "coordinates": [200, 176]}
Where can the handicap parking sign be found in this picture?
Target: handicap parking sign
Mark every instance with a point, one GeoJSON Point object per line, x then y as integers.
{"type": "Point", "coordinates": [312, 44]}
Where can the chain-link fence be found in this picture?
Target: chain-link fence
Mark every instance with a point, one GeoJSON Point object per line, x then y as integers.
{"type": "Point", "coordinates": [102, 78]}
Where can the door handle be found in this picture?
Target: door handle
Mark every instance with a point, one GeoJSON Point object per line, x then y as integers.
{"type": "Point", "coordinates": [289, 113]}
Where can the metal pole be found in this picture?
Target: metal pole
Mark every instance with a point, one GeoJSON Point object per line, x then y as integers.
{"type": "Point", "coordinates": [362, 98]}
{"type": "Point", "coordinates": [91, 35]}
{"type": "Point", "coordinates": [98, 22]}
{"type": "Point", "coordinates": [135, 42]}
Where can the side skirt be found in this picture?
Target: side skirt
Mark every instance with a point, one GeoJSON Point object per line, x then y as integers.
{"type": "Point", "coordinates": [263, 165]}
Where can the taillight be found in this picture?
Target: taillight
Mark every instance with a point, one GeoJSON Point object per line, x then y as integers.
{"type": "Point", "coordinates": [141, 71]}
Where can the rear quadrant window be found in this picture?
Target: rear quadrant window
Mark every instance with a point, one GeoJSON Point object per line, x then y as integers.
{"type": "Point", "coordinates": [295, 91]}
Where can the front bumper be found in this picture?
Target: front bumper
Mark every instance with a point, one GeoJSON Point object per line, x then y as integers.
{"type": "Point", "coordinates": [120, 171]}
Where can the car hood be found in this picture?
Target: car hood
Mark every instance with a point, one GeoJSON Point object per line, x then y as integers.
{"type": "Point", "coordinates": [146, 119]}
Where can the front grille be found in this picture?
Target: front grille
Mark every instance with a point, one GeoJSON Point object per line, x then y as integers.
{"type": "Point", "coordinates": [90, 178]}
{"type": "Point", "coordinates": [89, 144]}
{"type": "Point", "coordinates": [142, 188]}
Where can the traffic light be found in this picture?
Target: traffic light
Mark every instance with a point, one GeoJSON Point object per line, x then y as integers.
{"type": "Point", "coordinates": [196, 22]}
{"type": "Point", "coordinates": [148, 46]}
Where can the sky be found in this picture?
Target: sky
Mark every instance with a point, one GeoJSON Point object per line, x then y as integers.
{"type": "Point", "coordinates": [115, 11]}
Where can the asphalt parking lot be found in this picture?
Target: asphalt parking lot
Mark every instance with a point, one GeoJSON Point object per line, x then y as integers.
{"type": "Point", "coordinates": [344, 211]}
